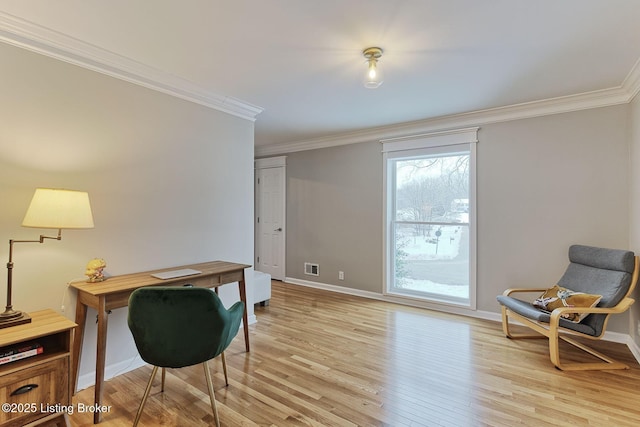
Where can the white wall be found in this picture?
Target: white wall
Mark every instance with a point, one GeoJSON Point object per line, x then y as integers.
{"type": "Point", "coordinates": [170, 182]}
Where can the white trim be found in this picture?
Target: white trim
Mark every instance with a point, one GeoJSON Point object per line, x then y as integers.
{"type": "Point", "coordinates": [635, 350]}
{"type": "Point", "coordinates": [616, 337]}
{"type": "Point", "coordinates": [564, 104]}
{"type": "Point", "coordinates": [407, 146]}
{"type": "Point", "coordinates": [429, 140]}
{"type": "Point", "coordinates": [271, 162]}
{"type": "Point", "coordinates": [445, 307]}
{"type": "Point", "coordinates": [631, 83]}
{"type": "Point", "coordinates": [27, 35]}
{"type": "Point", "coordinates": [332, 288]}
{"type": "Point", "coordinates": [473, 226]}
{"type": "Point", "coordinates": [113, 370]}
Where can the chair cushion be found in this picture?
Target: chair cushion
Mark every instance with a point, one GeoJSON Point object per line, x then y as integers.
{"type": "Point", "coordinates": [599, 271]}
{"type": "Point", "coordinates": [607, 259]}
{"type": "Point", "coordinates": [526, 309]}
{"type": "Point", "coordinates": [558, 296]}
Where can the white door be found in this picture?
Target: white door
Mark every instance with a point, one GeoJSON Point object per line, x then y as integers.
{"type": "Point", "coordinates": [270, 216]}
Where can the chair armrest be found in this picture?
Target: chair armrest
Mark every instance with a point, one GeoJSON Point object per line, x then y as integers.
{"type": "Point", "coordinates": [514, 290]}
{"type": "Point", "coordinates": [620, 308]}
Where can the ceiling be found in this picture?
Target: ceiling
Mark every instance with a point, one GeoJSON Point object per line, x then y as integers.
{"type": "Point", "coordinates": [301, 60]}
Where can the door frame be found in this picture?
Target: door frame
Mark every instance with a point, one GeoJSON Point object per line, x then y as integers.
{"type": "Point", "coordinates": [269, 163]}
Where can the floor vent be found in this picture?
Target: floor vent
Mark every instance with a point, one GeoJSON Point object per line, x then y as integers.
{"type": "Point", "coordinates": [311, 269]}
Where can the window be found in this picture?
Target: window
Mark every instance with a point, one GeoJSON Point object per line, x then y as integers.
{"type": "Point", "coordinates": [430, 217]}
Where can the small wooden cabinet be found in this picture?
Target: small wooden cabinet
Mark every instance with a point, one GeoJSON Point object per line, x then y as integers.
{"type": "Point", "coordinates": [37, 389]}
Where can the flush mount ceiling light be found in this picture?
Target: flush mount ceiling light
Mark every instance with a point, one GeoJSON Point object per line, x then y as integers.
{"type": "Point", "coordinates": [373, 77]}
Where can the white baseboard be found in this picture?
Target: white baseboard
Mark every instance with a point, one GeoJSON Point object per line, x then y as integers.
{"type": "Point", "coordinates": [446, 308]}
{"type": "Point", "coordinates": [616, 337]}
{"type": "Point", "coordinates": [110, 371]}
{"type": "Point", "coordinates": [333, 288]}
{"type": "Point", "coordinates": [635, 350]}
{"type": "Point", "coordinates": [113, 370]}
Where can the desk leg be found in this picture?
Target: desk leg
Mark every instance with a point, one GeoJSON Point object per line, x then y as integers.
{"type": "Point", "coordinates": [100, 357]}
{"type": "Point", "coordinates": [245, 321]}
{"type": "Point", "coordinates": [81, 320]}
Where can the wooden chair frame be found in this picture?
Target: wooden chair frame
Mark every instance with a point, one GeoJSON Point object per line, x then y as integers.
{"type": "Point", "coordinates": [554, 332]}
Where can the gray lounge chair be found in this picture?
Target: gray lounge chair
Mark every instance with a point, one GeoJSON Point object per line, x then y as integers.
{"type": "Point", "coordinates": [609, 273]}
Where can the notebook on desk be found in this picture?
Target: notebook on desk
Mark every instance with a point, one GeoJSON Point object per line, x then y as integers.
{"type": "Point", "coordinates": [172, 274]}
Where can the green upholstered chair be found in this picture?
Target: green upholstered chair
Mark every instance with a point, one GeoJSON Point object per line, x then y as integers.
{"type": "Point", "coordinates": [610, 274]}
{"type": "Point", "coordinates": [174, 327]}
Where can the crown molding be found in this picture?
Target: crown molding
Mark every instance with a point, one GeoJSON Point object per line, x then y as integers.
{"type": "Point", "coordinates": [565, 104]}
{"type": "Point", "coordinates": [622, 94]}
{"type": "Point", "coordinates": [27, 35]}
{"type": "Point", "coordinates": [631, 83]}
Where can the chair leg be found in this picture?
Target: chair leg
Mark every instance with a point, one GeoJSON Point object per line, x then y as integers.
{"type": "Point", "coordinates": [552, 333]}
{"type": "Point", "coordinates": [224, 369]}
{"type": "Point", "coordinates": [505, 322]}
{"type": "Point", "coordinates": [144, 397]}
{"type": "Point", "coordinates": [607, 362]}
{"type": "Point", "coordinates": [507, 331]}
{"type": "Point", "coordinates": [164, 372]}
{"type": "Point", "coordinates": [212, 395]}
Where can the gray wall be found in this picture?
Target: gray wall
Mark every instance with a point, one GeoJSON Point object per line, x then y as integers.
{"type": "Point", "coordinates": [543, 184]}
{"type": "Point", "coordinates": [334, 215]}
{"type": "Point", "coordinates": [170, 182]}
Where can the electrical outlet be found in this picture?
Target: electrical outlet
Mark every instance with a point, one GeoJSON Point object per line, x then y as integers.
{"type": "Point", "coordinates": [639, 328]}
{"type": "Point", "coordinates": [340, 275]}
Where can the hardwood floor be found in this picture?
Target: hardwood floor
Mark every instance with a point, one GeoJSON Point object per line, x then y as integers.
{"type": "Point", "coordinates": [326, 359]}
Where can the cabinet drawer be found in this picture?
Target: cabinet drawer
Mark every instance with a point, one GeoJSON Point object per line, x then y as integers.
{"type": "Point", "coordinates": [38, 387]}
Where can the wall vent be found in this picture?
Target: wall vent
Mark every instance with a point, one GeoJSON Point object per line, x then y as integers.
{"type": "Point", "coordinates": [311, 269]}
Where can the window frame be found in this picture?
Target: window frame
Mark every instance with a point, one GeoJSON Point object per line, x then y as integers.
{"type": "Point", "coordinates": [429, 144]}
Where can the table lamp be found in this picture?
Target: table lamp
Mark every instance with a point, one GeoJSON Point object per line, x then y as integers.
{"type": "Point", "coordinates": [49, 208]}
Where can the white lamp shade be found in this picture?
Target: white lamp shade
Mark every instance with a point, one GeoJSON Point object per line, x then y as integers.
{"type": "Point", "coordinates": [57, 208]}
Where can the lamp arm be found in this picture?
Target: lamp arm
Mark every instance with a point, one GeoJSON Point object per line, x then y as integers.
{"type": "Point", "coordinates": [9, 307]}
{"type": "Point", "coordinates": [40, 240]}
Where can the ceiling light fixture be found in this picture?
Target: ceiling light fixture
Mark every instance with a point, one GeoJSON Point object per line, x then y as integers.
{"type": "Point", "coordinates": [373, 77]}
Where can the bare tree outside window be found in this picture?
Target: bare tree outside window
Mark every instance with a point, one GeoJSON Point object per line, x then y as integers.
{"type": "Point", "coordinates": [431, 226]}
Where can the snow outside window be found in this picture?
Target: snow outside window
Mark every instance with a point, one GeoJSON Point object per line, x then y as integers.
{"type": "Point", "coordinates": [430, 220]}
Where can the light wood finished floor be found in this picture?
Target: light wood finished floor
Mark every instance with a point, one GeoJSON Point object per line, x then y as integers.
{"type": "Point", "coordinates": [326, 359]}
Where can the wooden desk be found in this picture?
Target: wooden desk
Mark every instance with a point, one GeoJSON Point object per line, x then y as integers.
{"type": "Point", "coordinates": [114, 293]}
